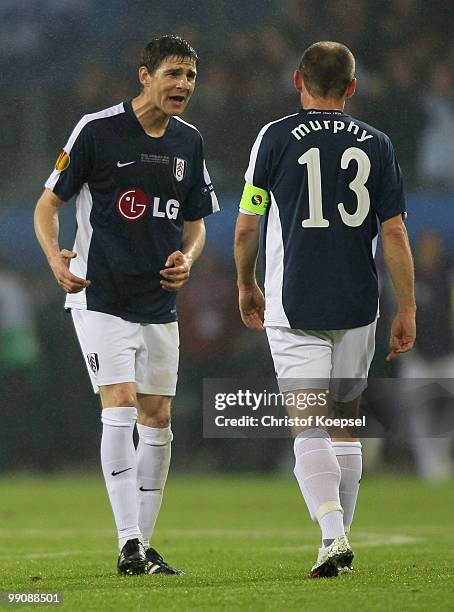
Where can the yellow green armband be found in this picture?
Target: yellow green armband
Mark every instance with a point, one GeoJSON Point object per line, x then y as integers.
{"type": "Point", "coordinates": [254, 199]}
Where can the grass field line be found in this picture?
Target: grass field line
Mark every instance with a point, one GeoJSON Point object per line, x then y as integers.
{"type": "Point", "coordinates": [357, 542]}
{"type": "Point", "coordinates": [361, 540]}
{"type": "Point", "coordinates": [205, 533]}
{"type": "Point", "coordinates": [56, 532]}
{"type": "Point", "coordinates": [45, 555]}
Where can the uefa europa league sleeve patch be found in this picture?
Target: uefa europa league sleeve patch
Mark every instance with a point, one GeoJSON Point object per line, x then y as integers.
{"type": "Point", "coordinates": [63, 161]}
{"type": "Point", "coordinates": [254, 199]}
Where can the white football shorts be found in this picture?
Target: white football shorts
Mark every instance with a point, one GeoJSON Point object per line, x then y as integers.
{"type": "Point", "coordinates": [117, 351]}
{"type": "Point", "coordinates": [337, 359]}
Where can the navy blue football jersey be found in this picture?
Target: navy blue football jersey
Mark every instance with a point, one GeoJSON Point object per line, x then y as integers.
{"type": "Point", "coordinates": [134, 193]}
{"type": "Point", "coordinates": [322, 179]}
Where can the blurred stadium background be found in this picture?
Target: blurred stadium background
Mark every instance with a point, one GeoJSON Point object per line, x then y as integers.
{"type": "Point", "coordinates": [61, 59]}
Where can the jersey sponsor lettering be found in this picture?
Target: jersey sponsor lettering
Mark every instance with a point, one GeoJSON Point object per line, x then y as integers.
{"type": "Point", "coordinates": [170, 210]}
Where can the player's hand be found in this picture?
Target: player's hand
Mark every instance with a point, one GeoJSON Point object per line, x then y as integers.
{"type": "Point", "coordinates": [403, 334]}
{"type": "Point", "coordinates": [252, 307]}
{"type": "Point", "coordinates": [176, 272]}
{"type": "Point", "coordinates": [59, 265]}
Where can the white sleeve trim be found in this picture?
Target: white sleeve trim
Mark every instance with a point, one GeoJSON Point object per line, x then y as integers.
{"type": "Point", "coordinates": [249, 175]}
{"type": "Point", "coordinates": [107, 112]}
{"type": "Point", "coordinates": [214, 199]}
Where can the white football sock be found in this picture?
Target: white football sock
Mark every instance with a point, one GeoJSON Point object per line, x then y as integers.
{"type": "Point", "coordinates": [318, 474]}
{"type": "Point", "coordinates": [153, 460]}
{"type": "Point", "coordinates": [119, 466]}
{"type": "Point", "coordinates": [349, 456]}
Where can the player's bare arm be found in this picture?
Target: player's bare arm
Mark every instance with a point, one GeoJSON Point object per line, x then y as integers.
{"type": "Point", "coordinates": [47, 230]}
{"type": "Point", "coordinates": [251, 300]}
{"type": "Point", "coordinates": [179, 263]}
{"type": "Point", "coordinates": [399, 262]}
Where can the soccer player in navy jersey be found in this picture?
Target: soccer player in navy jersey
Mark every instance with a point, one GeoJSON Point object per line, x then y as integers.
{"type": "Point", "coordinates": [143, 189]}
{"type": "Point", "coordinates": [324, 180]}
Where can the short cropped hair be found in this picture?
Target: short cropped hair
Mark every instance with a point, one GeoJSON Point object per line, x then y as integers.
{"type": "Point", "coordinates": [157, 50]}
{"type": "Point", "coordinates": [327, 68]}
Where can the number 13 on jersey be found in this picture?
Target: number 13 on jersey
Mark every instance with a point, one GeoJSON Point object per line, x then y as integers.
{"type": "Point", "coordinates": [357, 185]}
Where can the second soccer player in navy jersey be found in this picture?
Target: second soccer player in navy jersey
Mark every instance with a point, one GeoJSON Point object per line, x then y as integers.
{"type": "Point", "coordinates": [143, 189]}
{"type": "Point", "coordinates": [324, 182]}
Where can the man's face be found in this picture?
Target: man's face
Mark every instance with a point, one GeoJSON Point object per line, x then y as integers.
{"type": "Point", "coordinates": [170, 87]}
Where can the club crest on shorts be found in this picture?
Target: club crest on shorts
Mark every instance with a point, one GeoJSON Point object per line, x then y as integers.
{"type": "Point", "coordinates": [179, 168]}
{"type": "Point", "coordinates": [93, 362]}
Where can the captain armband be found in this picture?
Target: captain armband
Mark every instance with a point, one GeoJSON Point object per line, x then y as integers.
{"type": "Point", "coordinates": [254, 199]}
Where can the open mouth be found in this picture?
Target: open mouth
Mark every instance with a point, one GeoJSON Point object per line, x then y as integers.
{"type": "Point", "coordinates": [178, 99]}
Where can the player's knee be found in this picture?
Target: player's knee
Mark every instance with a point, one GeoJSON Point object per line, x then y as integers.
{"type": "Point", "coordinates": [158, 419]}
{"type": "Point", "coordinates": [124, 398]}
{"type": "Point", "coordinates": [118, 397]}
{"type": "Point", "coordinates": [162, 420]}
{"type": "Point", "coordinates": [155, 411]}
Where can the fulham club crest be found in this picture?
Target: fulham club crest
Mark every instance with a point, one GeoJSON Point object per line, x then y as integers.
{"type": "Point", "coordinates": [93, 362]}
{"type": "Point", "coordinates": [179, 168]}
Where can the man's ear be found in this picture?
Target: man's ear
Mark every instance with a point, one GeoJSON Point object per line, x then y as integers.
{"type": "Point", "coordinates": [298, 80]}
{"type": "Point", "coordinates": [144, 76]}
{"type": "Point", "coordinates": [351, 88]}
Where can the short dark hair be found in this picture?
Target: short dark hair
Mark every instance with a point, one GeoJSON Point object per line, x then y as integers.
{"type": "Point", "coordinates": [327, 68]}
{"type": "Point", "coordinates": [162, 47]}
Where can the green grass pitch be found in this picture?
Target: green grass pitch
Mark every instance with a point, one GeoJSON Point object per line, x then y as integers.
{"type": "Point", "coordinates": [246, 543]}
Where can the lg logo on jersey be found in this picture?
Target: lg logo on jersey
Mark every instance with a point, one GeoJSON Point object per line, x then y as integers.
{"type": "Point", "coordinates": [133, 204]}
